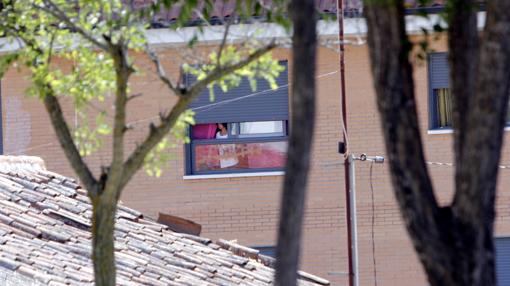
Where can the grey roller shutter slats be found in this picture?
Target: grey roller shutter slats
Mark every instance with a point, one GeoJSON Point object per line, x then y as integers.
{"type": "Point", "coordinates": [502, 247]}
{"type": "Point", "coordinates": [439, 70]}
{"type": "Point", "coordinates": [242, 104]}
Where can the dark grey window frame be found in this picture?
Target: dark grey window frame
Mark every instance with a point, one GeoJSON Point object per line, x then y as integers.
{"type": "Point", "coordinates": [438, 83]}
{"type": "Point", "coordinates": [433, 84]}
{"type": "Point", "coordinates": [189, 163]}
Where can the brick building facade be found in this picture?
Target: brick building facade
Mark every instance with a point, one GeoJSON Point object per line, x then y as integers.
{"type": "Point", "coordinates": [246, 207]}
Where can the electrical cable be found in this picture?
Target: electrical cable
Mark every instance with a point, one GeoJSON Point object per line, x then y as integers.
{"type": "Point", "coordinates": [453, 165]}
{"type": "Point", "coordinates": [214, 104]}
{"type": "Point", "coordinates": [219, 103]}
{"type": "Point", "coordinates": [373, 221]}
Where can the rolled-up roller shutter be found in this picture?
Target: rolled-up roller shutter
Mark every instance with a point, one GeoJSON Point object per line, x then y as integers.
{"type": "Point", "coordinates": [242, 104]}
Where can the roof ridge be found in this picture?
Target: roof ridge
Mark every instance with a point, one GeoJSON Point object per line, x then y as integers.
{"type": "Point", "coordinates": [21, 163]}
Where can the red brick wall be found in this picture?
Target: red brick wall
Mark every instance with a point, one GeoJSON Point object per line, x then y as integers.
{"type": "Point", "coordinates": [247, 208]}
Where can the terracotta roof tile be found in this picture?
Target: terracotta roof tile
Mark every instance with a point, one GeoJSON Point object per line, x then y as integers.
{"type": "Point", "coordinates": [224, 9]}
{"type": "Point", "coordinates": [44, 236]}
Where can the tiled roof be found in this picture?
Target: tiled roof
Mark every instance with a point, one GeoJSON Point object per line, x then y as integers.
{"type": "Point", "coordinates": [44, 237]}
{"type": "Point", "coordinates": [224, 9]}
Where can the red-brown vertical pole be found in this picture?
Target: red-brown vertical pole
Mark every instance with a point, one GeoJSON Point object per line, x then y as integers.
{"type": "Point", "coordinates": [340, 16]}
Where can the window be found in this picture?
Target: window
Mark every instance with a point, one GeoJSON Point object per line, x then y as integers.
{"type": "Point", "coordinates": [241, 131]}
{"type": "Point", "coordinates": [440, 99]}
{"type": "Point", "coordinates": [502, 250]}
{"type": "Point", "coordinates": [262, 145]}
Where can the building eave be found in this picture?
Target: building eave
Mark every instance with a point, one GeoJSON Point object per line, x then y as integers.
{"type": "Point", "coordinates": [353, 27]}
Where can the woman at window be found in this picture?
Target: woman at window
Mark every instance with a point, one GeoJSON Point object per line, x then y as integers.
{"type": "Point", "coordinates": [228, 157]}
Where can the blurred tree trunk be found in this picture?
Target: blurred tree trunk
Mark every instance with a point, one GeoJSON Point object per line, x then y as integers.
{"type": "Point", "coordinates": [300, 141]}
{"type": "Point", "coordinates": [455, 242]}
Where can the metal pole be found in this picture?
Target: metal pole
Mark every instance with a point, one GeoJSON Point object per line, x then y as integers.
{"type": "Point", "coordinates": [354, 226]}
{"type": "Point", "coordinates": [354, 260]}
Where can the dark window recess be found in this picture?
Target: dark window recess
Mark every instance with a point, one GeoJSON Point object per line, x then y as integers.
{"type": "Point", "coordinates": [266, 250]}
{"type": "Point", "coordinates": [241, 130]}
{"type": "Point", "coordinates": [440, 97]}
{"type": "Point", "coordinates": [502, 249]}
{"type": "Point", "coordinates": [443, 108]}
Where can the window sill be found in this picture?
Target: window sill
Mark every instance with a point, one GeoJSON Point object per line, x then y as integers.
{"type": "Point", "coordinates": [439, 131]}
{"type": "Point", "coordinates": [234, 175]}
{"type": "Point", "coordinates": [449, 131]}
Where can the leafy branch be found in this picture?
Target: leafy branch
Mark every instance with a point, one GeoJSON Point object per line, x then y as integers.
{"type": "Point", "coordinates": [157, 133]}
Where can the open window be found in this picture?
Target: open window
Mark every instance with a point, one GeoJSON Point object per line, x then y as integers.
{"type": "Point", "coordinates": [440, 100]}
{"type": "Point", "coordinates": [241, 131]}
{"type": "Point", "coordinates": [440, 97]}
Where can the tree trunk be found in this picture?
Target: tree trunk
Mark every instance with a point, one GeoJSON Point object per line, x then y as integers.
{"type": "Point", "coordinates": [103, 223]}
{"type": "Point", "coordinates": [298, 156]}
{"type": "Point", "coordinates": [454, 243]}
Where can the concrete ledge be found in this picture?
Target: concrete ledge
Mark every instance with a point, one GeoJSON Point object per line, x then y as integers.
{"type": "Point", "coordinates": [214, 34]}
{"type": "Point", "coordinates": [450, 131]}
{"type": "Point", "coordinates": [439, 131]}
{"type": "Point", "coordinates": [234, 175]}
{"type": "Point", "coordinates": [21, 163]}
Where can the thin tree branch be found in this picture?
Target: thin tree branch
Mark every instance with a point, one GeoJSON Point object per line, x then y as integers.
{"type": "Point", "coordinates": [161, 70]}
{"type": "Point", "coordinates": [133, 96]}
{"type": "Point", "coordinates": [55, 11]}
{"type": "Point", "coordinates": [223, 41]}
{"type": "Point", "coordinates": [66, 141]}
{"type": "Point", "coordinates": [61, 128]}
{"type": "Point", "coordinates": [123, 71]}
{"type": "Point", "coordinates": [157, 133]}
{"type": "Point", "coordinates": [219, 72]}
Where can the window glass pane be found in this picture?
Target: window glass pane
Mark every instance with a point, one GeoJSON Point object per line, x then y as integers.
{"type": "Point", "coordinates": [444, 107]}
{"type": "Point", "coordinates": [266, 250]}
{"type": "Point", "coordinates": [261, 127]}
{"type": "Point", "coordinates": [233, 128]}
{"type": "Point", "coordinates": [239, 156]}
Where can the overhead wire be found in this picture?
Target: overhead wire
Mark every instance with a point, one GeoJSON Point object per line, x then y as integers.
{"type": "Point", "coordinates": [199, 109]}
{"type": "Point", "coordinates": [214, 105]}
{"type": "Point", "coordinates": [453, 165]}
